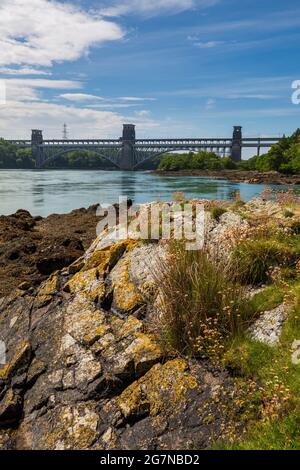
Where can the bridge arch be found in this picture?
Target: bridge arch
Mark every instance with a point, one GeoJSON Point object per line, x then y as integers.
{"type": "Point", "coordinates": [158, 153]}
{"type": "Point", "coordinates": [61, 152]}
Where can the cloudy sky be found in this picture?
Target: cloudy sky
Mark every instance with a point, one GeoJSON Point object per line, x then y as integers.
{"type": "Point", "coordinates": [172, 67]}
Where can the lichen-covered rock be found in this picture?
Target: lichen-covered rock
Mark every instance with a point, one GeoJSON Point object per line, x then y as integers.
{"type": "Point", "coordinates": [222, 235]}
{"type": "Point", "coordinates": [67, 347]}
{"type": "Point", "coordinates": [67, 427]}
{"type": "Point", "coordinates": [261, 207]}
{"type": "Point", "coordinates": [47, 290]}
{"type": "Point", "coordinates": [267, 329]}
{"type": "Point", "coordinates": [10, 407]}
{"type": "Point", "coordinates": [84, 371]}
{"type": "Point", "coordinates": [176, 405]}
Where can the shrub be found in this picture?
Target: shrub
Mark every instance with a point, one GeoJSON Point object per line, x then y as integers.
{"type": "Point", "coordinates": [288, 214]}
{"type": "Point", "coordinates": [200, 308]}
{"type": "Point", "coordinates": [238, 204]}
{"type": "Point", "coordinates": [252, 260]}
{"type": "Point", "coordinates": [295, 228]}
{"type": "Point", "coordinates": [217, 212]}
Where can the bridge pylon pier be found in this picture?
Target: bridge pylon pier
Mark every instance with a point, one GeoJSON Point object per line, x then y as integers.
{"type": "Point", "coordinates": [127, 162]}
{"type": "Point", "coordinates": [237, 143]}
{"type": "Point", "coordinates": [37, 146]}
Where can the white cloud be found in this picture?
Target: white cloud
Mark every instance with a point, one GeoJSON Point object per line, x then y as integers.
{"type": "Point", "coordinates": [27, 108]}
{"type": "Point", "coordinates": [113, 106]}
{"type": "Point", "coordinates": [20, 117]}
{"type": "Point", "coordinates": [210, 104]}
{"type": "Point", "coordinates": [23, 71]}
{"type": "Point", "coordinates": [28, 89]}
{"type": "Point", "coordinates": [40, 32]}
{"type": "Point", "coordinates": [135, 98]}
{"type": "Point", "coordinates": [79, 97]}
{"type": "Point", "coordinates": [45, 83]}
{"type": "Point", "coordinates": [154, 7]}
{"type": "Point", "coordinates": [208, 44]}
{"type": "Point", "coordinates": [142, 113]}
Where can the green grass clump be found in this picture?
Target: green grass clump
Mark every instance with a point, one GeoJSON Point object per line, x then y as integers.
{"type": "Point", "coordinates": [217, 212]}
{"type": "Point", "coordinates": [245, 357]}
{"type": "Point", "coordinates": [238, 204]}
{"type": "Point", "coordinates": [270, 297]}
{"type": "Point", "coordinates": [201, 308]}
{"type": "Point", "coordinates": [253, 260]}
{"type": "Point", "coordinates": [288, 214]}
{"type": "Point", "coordinates": [278, 425]}
{"type": "Point", "coordinates": [295, 228]}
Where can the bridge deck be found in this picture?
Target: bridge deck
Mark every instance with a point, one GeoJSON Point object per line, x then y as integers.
{"type": "Point", "coordinates": [147, 143]}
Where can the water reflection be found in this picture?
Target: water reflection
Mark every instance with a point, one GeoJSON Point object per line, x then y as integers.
{"type": "Point", "coordinates": [45, 192]}
{"type": "Point", "coordinates": [128, 185]}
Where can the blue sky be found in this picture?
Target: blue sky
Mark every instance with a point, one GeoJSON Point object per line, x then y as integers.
{"type": "Point", "coordinates": [172, 67]}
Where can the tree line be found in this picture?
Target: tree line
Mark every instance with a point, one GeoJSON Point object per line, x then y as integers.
{"type": "Point", "coordinates": [283, 157]}
{"type": "Point", "coordinates": [12, 157]}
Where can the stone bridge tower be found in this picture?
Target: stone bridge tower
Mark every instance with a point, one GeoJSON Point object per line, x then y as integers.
{"type": "Point", "coordinates": [128, 153]}
{"type": "Point", "coordinates": [237, 142]}
{"type": "Point", "coordinates": [37, 151]}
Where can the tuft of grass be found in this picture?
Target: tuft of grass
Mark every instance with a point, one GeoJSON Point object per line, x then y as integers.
{"type": "Point", "coordinates": [253, 260]}
{"type": "Point", "coordinates": [270, 297]}
{"type": "Point", "coordinates": [217, 212]}
{"type": "Point", "coordinates": [200, 307]}
{"type": "Point", "coordinates": [238, 204]}
{"type": "Point", "coordinates": [280, 435]}
{"type": "Point", "coordinates": [288, 214]}
{"type": "Point", "coordinates": [245, 357]}
{"type": "Point", "coordinates": [279, 378]}
{"type": "Point", "coordinates": [295, 228]}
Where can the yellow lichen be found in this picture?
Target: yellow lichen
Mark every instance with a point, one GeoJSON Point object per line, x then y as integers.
{"type": "Point", "coordinates": [124, 328]}
{"type": "Point", "coordinates": [145, 351]}
{"type": "Point", "coordinates": [47, 290]}
{"type": "Point", "coordinates": [75, 428]}
{"type": "Point", "coordinates": [106, 258]}
{"type": "Point", "coordinates": [22, 353]}
{"type": "Point", "coordinates": [163, 387]}
{"type": "Point", "coordinates": [88, 284]}
{"type": "Point", "coordinates": [126, 296]}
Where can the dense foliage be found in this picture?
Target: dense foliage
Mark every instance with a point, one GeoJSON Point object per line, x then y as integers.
{"type": "Point", "coordinates": [283, 157]}
{"type": "Point", "coordinates": [195, 161]}
{"type": "Point", "coordinates": [80, 159]}
{"type": "Point", "coordinates": [13, 158]}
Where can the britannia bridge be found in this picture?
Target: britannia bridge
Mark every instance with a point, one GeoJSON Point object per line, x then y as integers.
{"type": "Point", "coordinates": [128, 153]}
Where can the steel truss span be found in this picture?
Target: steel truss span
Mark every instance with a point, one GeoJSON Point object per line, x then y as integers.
{"type": "Point", "coordinates": [128, 153]}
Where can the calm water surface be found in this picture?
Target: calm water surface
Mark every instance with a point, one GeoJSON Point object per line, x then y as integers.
{"type": "Point", "coordinates": [57, 191]}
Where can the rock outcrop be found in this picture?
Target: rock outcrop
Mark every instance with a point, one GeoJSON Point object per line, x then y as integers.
{"type": "Point", "coordinates": [268, 328]}
{"type": "Point", "coordinates": [85, 370]}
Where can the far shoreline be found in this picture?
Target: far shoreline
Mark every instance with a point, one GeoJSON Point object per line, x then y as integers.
{"type": "Point", "coordinates": [238, 176]}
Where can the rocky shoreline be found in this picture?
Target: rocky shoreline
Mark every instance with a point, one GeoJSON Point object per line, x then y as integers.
{"type": "Point", "coordinates": [238, 176]}
{"type": "Point", "coordinates": [31, 248]}
{"type": "Point", "coordinates": [85, 365]}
